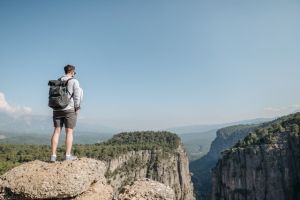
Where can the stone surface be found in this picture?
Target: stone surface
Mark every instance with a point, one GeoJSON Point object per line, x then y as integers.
{"type": "Point", "coordinates": [146, 189]}
{"type": "Point", "coordinates": [42, 180]}
{"type": "Point", "coordinates": [97, 191]}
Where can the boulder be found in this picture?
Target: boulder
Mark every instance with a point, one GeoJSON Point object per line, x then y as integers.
{"type": "Point", "coordinates": [146, 189]}
{"type": "Point", "coordinates": [68, 179]}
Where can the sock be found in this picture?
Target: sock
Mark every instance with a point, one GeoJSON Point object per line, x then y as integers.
{"type": "Point", "coordinates": [68, 154]}
{"type": "Point", "coordinates": [54, 155]}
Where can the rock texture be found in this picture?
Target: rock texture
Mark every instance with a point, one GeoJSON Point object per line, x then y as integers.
{"type": "Point", "coordinates": [262, 168]}
{"type": "Point", "coordinates": [70, 179]}
{"type": "Point", "coordinates": [97, 191]}
{"type": "Point", "coordinates": [146, 189]}
{"type": "Point", "coordinates": [169, 169]}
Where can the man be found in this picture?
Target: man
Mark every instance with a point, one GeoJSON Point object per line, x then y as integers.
{"type": "Point", "coordinates": [68, 116]}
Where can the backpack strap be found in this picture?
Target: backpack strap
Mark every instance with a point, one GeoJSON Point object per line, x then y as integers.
{"type": "Point", "coordinates": [67, 88]}
{"type": "Point", "coordinates": [68, 80]}
{"type": "Point", "coordinates": [67, 85]}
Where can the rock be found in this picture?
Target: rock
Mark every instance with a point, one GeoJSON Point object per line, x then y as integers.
{"type": "Point", "coordinates": [146, 189]}
{"type": "Point", "coordinates": [1, 190]}
{"type": "Point", "coordinates": [98, 191]}
{"type": "Point", "coordinates": [68, 179]}
{"type": "Point", "coordinates": [172, 170]}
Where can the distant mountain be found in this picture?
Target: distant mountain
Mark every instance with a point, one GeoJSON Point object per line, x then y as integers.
{"type": "Point", "coordinates": [208, 127]}
{"type": "Point", "coordinates": [41, 124]}
{"type": "Point", "coordinates": [29, 138]}
{"type": "Point", "coordinates": [37, 129]}
{"type": "Point", "coordinates": [197, 139]}
{"type": "Point", "coordinates": [197, 144]}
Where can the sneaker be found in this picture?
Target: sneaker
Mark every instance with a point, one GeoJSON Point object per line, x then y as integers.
{"type": "Point", "coordinates": [70, 157]}
{"type": "Point", "coordinates": [53, 158]}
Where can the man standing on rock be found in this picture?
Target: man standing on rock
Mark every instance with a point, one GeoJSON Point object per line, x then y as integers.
{"type": "Point", "coordinates": [66, 116]}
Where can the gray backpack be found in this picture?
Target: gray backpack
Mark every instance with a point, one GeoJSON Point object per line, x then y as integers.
{"type": "Point", "coordinates": [59, 94]}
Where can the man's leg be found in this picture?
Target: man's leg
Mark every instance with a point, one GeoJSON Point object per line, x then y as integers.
{"type": "Point", "coordinates": [69, 140]}
{"type": "Point", "coordinates": [70, 124]}
{"type": "Point", "coordinates": [54, 139]}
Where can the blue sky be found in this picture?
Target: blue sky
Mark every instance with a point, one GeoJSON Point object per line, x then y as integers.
{"type": "Point", "coordinates": [155, 64]}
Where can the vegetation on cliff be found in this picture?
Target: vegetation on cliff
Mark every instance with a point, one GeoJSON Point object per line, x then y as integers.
{"type": "Point", "coordinates": [12, 155]}
{"type": "Point", "coordinates": [267, 133]}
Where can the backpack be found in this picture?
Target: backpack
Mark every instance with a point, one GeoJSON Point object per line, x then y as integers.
{"type": "Point", "coordinates": [58, 94]}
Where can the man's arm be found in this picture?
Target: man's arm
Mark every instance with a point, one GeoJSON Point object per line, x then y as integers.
{"type": "Point", "coordinates": [77, 95]}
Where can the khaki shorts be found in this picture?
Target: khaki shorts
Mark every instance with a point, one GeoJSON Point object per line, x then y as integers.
{"type": "Point", "coordinates": [65, 118]}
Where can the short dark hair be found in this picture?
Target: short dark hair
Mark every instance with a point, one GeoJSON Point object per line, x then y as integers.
{"type": "Point", "coordinates": [69, 68]}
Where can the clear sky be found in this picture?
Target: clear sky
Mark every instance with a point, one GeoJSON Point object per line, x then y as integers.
{"type": "Point", "coordinates": [154, 64]}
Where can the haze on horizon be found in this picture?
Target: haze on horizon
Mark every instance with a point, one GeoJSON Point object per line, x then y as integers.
{"type": "Point", "coordinates": [154, 64]}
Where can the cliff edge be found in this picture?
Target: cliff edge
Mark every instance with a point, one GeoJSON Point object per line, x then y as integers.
{"type": "Point", "coordinates": [263, 166]}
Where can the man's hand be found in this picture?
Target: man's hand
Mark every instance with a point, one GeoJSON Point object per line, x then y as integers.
{"type": "Point", "coordinates": [77, 109]}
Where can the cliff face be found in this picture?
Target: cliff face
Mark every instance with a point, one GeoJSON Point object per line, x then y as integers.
{"type": "Point", "coordinates": [227, 137]}
{"type": "Point", "coordinates": [265, 165]}
{"type": "Point", "coordinates": [201, 168]}
{"type": "Point", "coordinates": [170, 169]}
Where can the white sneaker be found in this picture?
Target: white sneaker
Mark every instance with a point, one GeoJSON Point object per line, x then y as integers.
{"type": "Point", "coordinates": [53, 158]}
{"type": "Point", "coordinates": [70, 157]}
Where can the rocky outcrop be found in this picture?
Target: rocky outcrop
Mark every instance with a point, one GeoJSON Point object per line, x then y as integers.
{"type": "Point", "coordinates": [171, 169]}
{"type": "Point", "coordinates": [147, 189]}
{"type": "Point", "coordinates": [264, 166]}
{"type": "Point", "coordinates": [80, 179]}
{"type": "Point", "coordinates": [202, 168]}
{"type": "Point", "coordinates": [85, 178]}
{"type": "Point", "coordinates": [127, 157]}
